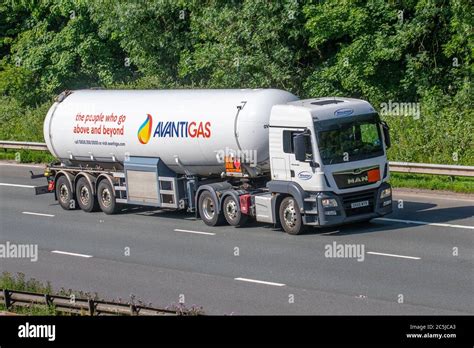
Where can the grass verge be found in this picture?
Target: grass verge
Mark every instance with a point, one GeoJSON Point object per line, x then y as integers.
{"type": "Point", "coordinates": [26, 156]}
{"type": "Point", "coordinates": [433, 182]}
{"type": "Point", "coordinates": [18, 282]}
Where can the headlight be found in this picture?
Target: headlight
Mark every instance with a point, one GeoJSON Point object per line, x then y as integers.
{"type": "Point", "coordinates": [386, 193]}
{"type": "Point", "coordinates": [329, 203]}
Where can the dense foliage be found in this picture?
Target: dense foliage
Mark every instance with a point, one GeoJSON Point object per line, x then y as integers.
{"type": "Point", "coordinates": [413, 53]}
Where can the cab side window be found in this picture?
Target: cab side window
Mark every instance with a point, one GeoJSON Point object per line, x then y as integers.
{"type": "Point", "coordinates": [288, 141]}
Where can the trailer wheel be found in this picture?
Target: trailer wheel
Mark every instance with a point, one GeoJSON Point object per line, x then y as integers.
{"type": "Point", "coordinates": [64, 194]}
{"type": "Point", "coordinates": [232, 212]}
{"type": "Point", "coordinates": [86, 199]}
{"type": "Point", "coordinates": [106, 198]}
{"type": "Point", "coordinates": [290, 216]}
{"type": "Point", "coordinates": [208, 210]}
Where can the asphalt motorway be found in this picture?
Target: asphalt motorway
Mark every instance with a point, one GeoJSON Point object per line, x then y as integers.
{"type": "Point", "coordinates": [417, 261]}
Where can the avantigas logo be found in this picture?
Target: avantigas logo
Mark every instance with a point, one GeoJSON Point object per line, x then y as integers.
{"type": "Point", "coordinates": [144, 131]}
{"type": "Point", "coordinates": [173, 129]}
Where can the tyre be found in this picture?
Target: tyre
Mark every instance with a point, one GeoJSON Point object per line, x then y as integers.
{"type": "Point", "coordinates": [106, 198]}
{"type": "Point", "coordinates": [290, 216]}
{"type": "Point", "coordinates": [208, 210]}
{"type": "Point", "coordinates": [232, 212]}
{"type": "Point", "coordinates": [64, 194]}
{"type": "Point", "coordinates": [86, 199]}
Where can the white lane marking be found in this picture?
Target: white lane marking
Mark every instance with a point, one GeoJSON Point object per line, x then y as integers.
{"type": "Point", "coordinates": [38, 214]}
{"type": "Point", "coordinates": [432, 197]}
{"type": "Point", "coordinates": [16, 185]}
{"type": "Point", "coordinates": [70, 254]}
{"type": "Point", "coordinates": [259, 281]}
{"type": "Point", "coordinates": [196, 232]}
{"type": "Point", "coordinates": [22, 165]}
{"type": "Point", "coordinates": [426, 223]}
{"type": "Point", "coordinates": [394, 255]}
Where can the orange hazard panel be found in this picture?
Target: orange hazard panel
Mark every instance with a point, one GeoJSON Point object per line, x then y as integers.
{"type": "Point", "coordinates": [373, 175]}
{"type": "Point", "coordinates": [232, 165]}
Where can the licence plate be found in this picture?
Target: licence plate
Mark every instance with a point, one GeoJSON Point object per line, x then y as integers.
{"type": "Point", "coordinates": [359, 204]}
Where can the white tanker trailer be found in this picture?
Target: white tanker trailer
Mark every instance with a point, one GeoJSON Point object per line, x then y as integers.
{"type": "Point", "coordinates": [226, 155]}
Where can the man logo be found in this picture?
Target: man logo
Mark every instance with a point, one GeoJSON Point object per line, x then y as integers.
{"type": "Point", "coordinates": [144, 132]}
{"type": "Point", "coordinates": [357, 180]}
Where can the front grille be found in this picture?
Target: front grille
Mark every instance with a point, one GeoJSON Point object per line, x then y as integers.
{"type": "Point", "coordinates": [364, 176]}
{"type": "Point", "coordinates": [349, 198]}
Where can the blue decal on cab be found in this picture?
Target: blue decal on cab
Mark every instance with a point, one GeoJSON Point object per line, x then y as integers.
{"type": "Point", "coordinates": [305, 175]}
{"type": "Point", "coordinates": [343, 112]}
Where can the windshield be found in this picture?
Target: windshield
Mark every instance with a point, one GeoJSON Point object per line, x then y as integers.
{"type": "Point", "coordinates": [349, 139]}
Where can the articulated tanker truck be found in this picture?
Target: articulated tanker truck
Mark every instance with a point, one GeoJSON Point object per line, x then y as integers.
{"type": "Point", "coordinates": [226, 155]}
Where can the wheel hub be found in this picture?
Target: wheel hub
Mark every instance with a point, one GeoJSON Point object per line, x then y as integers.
{"type": "Point", "coordinates": [106, 197]}
{"type": "Point", "coordinates": [290, 215]}
{"type": "Point", "coordinates": [63, 193]}
{"type": "Point", "coordinates": [231, 209]}
{"type": "Point", "coordinates": [84, 195]}
{"type": "Point", "coordinates": [208, 208]}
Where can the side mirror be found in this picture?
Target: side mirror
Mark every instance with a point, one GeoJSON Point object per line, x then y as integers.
{"type": "Point", "coordinates": [299, 147]}
{"type": "Point", "coordinates": [386, 134]}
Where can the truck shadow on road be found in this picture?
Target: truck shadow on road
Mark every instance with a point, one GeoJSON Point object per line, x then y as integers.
{"type": "Point", "coordinates": [413, 211]}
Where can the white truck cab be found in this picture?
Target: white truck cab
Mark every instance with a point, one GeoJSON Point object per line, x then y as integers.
{"type": "Point", "coordinates": [329, 154]}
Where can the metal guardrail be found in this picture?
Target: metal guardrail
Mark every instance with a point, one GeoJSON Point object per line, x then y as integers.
{"type": "Point", "coordinates": [23, 145]}
{"type": "Point", "coordinates": [401, 167]}
{"type": "Point", "coordinates": [78, 306]}
{"type": "Point", "coordinates": [426, 168]}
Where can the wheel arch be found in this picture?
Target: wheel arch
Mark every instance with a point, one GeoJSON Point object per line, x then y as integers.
{"type": "Point", "coordinates": [70, 179]}
{"type": "Point", "coordinates": [215, 189]}
{"type": "Point", "coordinates": [226, 194]}
{"type": "Point", "coordinates": [107, 177]}
{"type": "Point", "coordinates": [284, 189]}
{"type": "Point", "coordinates": [90, 179]}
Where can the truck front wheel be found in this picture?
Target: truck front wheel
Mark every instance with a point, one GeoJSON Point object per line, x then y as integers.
{"type": "Point", "coordinates": [208, 210]}
{"type": "Point", "coordinates": [106, 198]}
{"type": "Point", "coordinates": [290, 216]}
{"type": "Point", "coordinates": [232, 212]}
{"type": "Point", "coordinates": [85, 197]}
{"type": "Point", "coordinates": [64, 194]}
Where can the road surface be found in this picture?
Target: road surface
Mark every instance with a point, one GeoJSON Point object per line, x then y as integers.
{"type": "Point", "coordinates": [417, 261]}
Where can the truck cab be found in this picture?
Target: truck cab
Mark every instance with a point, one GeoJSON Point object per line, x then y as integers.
{"type": "Point", "coordinates": [328, 159]}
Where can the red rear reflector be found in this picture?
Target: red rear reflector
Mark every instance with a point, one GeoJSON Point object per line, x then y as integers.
{"type": "Point", "coordinates": [373, 175]}
{"type": "Point", "coordinates": [51, 185]}
{"type": "Point", "coordinates": [245, 204]}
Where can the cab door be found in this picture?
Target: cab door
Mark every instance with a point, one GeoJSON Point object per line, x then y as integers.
{"type": "Point", "coordinates": [283, 162]}
{"type": "Point", "coordinates": [279, 159]}
{"type": "Point", "coordinates": [301, 168]}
